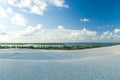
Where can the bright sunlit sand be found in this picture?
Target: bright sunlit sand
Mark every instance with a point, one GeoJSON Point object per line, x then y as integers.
{"type": "Point", "coordinates": [90, 64]}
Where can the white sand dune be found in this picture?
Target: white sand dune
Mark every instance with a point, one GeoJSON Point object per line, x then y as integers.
{"type": "Point", "coordinates": [89, 64]}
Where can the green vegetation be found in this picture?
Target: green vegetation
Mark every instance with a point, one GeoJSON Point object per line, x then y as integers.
{"type": "Point", "coordinates": [64, 47]}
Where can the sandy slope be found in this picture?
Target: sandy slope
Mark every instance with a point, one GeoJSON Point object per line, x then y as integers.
{"type": "Point", "coordinates": [90, 64]}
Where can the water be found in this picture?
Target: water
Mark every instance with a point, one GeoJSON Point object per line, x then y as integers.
{"type": "Point", "coordinates": [90, 44]}
{"type": "Point", "coordinates": [58, 44]}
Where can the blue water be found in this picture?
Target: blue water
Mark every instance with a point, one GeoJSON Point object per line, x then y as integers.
{"type": "Point", "coordinates": [58, 44]}
{"type": "Point", "coordinates": [90, 44]}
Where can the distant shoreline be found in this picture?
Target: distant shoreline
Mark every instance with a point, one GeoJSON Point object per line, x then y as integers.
{"type": "Point", "coordinates": [55, 46]}
{"type": "Point", "coordinates": [50, 47]}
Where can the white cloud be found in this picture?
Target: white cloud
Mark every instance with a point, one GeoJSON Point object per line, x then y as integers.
{"type": "Point", "coordinates": [117, 31]}
{"type": "Point", "coordinates": [38, 34]}
{"type": "Point", "coordinates": [35, 6]}
{"type": "Point", "coordinates": [3, 12]}
{"type": "Point", "coordinates": [2, 30]}
{"type": "Point", "coordinates": [84, 20]}
{"type": "Point", "coordinates": [11, 2]}
{"type": "Point", "coordinates": [31, 30]}
{"type": "Point", "coordinates": [24, 4]}
{"type": "Point", "coordinates": [60, 27]}
{"type": "Point", "coordinates": [38, 9]}
{"type": "Point", "coordinates": [58, 3]}
{"type": "Point", "coordinates": [108, 36]}
{"type": "Point", "coordinates": [9, 11]}
{"type": "Point", "coordinates": [18, 19]}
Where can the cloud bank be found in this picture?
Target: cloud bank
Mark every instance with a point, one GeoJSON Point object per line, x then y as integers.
{"type": "Point", "coordinates": [38, 34]}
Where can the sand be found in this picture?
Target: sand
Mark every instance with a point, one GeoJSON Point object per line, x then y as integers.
{"type": "Point", "coordinates": [89, 64]}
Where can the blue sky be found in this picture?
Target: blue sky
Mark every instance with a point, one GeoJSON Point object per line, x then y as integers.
{"type": "Point", "coordinates": [59, 21]}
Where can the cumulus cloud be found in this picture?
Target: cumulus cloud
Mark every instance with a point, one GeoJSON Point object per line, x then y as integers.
{"type": "Point", "coordinates": [10, 2]}
{"type": "Point", "coordinates": [35, 6]}
{"type": "Point", "coordinates": [117, 30]}
{"type": "Point", "coordinates": [26, 6]}
{"type": "Point", "coordinates": [39, 34]}
{"type": "Point", "coordinates": [9, 11]}
{"type": "Point", "coordinates": [2, 30]}
{"type": "Point", "coordinates": [23, 3]}
{"type": "Point", "coordinates": [18, 19]}
{"type": "Point", "coordinates": [60, 27]}
{"type": "Point", "coordinates": [84, 20]}
{"type": "Point", "coordinates": [58, 3]}
{"type": "Point", "coordinates": [39, 9]}
{"type": "Point", "coordinates": [31, 30]}
{"type": "Point", "coordinates": [3, 12]}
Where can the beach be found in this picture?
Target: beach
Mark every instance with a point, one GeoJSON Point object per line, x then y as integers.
{"type": "Point", "coordinates": [35, 64]}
